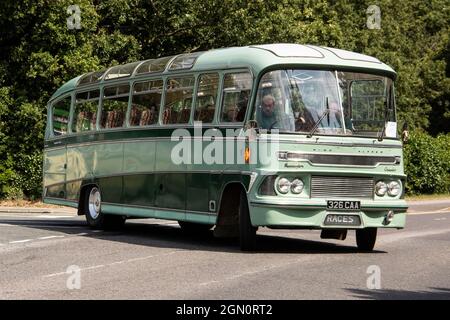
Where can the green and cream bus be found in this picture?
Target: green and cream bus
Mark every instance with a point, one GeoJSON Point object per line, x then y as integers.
{"type": "Point", "coordinates": [135, 141]}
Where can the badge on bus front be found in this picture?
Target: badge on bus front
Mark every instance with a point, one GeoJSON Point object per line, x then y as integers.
{"type": "Point", "coordinates": [343, 205]}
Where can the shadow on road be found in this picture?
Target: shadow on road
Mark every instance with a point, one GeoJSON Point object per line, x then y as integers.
{"type": "Point", "coordinates": [390, 294]}
{"type": "Point", "coordinates": [171, 236]}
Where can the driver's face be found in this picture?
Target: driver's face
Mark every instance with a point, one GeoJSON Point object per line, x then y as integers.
{"type": "Point", "coordinates": [267, 107]}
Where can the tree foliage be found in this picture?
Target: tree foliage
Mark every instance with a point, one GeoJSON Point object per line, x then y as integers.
{"type": "Point", "coordinates": [39, 52]}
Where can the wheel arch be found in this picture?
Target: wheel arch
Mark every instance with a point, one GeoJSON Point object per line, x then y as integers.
{"type": "Point", "coordinates": [82, 197]}
{"type": "Point", "coordinates": [228, 208]}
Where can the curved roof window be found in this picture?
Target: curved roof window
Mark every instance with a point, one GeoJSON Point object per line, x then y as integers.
{"type": "Point", "coordinates": [184, 61]}
{"type": "Point", "coordinates": [121, 71]}
{"type": "Point", "coordinates": [154, 65]}
{"type": "Point", "coordinates": [91, 77]}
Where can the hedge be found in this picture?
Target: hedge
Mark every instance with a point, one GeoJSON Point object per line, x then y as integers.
{"type": "Point", "coordinates": [427, 163]}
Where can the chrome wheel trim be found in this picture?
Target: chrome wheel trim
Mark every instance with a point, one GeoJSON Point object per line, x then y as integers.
{"type": "Point", "coordinates": [94, 203]}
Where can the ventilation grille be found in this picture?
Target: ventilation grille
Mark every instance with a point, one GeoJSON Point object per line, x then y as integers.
{"type": "Point", "coordinates": [341, 187]}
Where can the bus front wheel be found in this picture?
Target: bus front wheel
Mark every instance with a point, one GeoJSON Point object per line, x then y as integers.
{"type": "Point", "coordinates": [247, 232]}
{"type": "Point", "coordinates": [95, 218]}
{"type": "Point", "coordinates": [366, 238]}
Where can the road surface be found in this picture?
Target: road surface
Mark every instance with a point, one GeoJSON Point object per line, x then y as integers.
{"type": "Point", "coordinates": [56, 256]}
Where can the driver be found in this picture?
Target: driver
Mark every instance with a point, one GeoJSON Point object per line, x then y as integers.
{"type": "Point", "coordinates": [266, 116]}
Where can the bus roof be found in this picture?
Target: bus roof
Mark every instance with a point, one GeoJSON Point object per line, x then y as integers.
{"type": "Point", "coordinates": [255, 57]}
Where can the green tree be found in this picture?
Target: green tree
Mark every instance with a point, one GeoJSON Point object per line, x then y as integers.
{"type": "Point", "coordinates": [39, 52]}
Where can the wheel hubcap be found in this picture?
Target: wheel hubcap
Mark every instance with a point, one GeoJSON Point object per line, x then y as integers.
{"type": "Point", "coordinates": [94, 203]}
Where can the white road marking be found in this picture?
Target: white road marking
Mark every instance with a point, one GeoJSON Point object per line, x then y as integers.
{"type": "Point", "coordinates": [50, 237]}
{"type": "Point", "coordinates": [95, 267]}
{"type": "Point", "coordinates": [410, 234]}
{"type": "Point", "coordinates": [440, 219]}
{"type": "Point", "coordinates": [114, 263]}
{"type": "Point", "coordinates": [52, 217]}
{"type": "Point", "coordinates": [427, 212]}
{"type": "Point", "coordinates": [21, 241]}
{"type": "Point", "coordinates": [35, 217]}
{"type": "Point", "coordinates": [40, 225]}
{"type": "Point", "coordinates": [256, 271]}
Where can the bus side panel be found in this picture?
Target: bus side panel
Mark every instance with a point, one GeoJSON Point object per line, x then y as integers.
{"type": "Point", "coordinates": [55, 173]}
{"type": "Point", "coordinates": [170, 180]}
{"type": "Point", "coordinates": [197, 185]}
{"type": "Point", "coordinates": [108, 159]}
{"type": "Point", "coordinates": [80, 163]}
{"type": "Point", "coordinates": [139, 178]}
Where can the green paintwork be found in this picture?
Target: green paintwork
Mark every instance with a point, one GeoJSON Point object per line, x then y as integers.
{"type": "Point", "coordinates": [313, 218]}
{"type": "Point", "coordinates": [139, 190]}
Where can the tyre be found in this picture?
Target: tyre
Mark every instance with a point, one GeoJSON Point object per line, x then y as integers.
{"type": "Point", "coordinates": [247, 232]}
{"type": "Point", "coordinates": [192, 227]}
{"type": "Point", "coordinates": [366, 238]}
{"type": "Point", "coordinates": [94, 216]}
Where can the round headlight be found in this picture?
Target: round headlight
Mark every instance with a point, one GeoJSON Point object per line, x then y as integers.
{"type": "Point", "coordinates": [394, 188]}
{"type": "Point", "coordinates": [297, 186]}
{"type": "Point", "coordinates": [283, 185]}
{"type": "Point", "coordinates": [380, 188]}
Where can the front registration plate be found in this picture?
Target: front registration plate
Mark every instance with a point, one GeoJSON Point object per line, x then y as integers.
{"type": "Point", "coordinates": [343, 205]}
{"type": "Point", "coordinates": [342, 220]}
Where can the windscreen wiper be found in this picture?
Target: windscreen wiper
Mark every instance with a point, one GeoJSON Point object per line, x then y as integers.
{"type": "Point", "coordinates": [386, 111]}
{"type": "Point", "coordinates": [316, 124]}
{"type": "Point", "coordinates": [382, 133]}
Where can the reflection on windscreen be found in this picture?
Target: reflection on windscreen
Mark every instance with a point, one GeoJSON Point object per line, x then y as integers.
{"type": "Point", "coordinates": [337, 103]}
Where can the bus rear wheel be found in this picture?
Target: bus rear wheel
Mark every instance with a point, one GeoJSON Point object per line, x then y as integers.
{"type": "Point", "coordinates": [95, 218]}
{"type": "Point", "coordinates": [247, 232]}
{"type": "Point", "coordinates": [366, 238]}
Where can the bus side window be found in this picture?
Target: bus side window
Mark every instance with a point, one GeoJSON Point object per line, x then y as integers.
{"type": "Point", "coordinates": [205, 104]}
{"type": "Point", "coordinates": [114, 106]}
{"type": "Point", "coordinates": [236, 93]}
{"type": "Point", "coordinates": [177, 107]}
{"type": "Point", "coordinates": [146, 103]}
{"type": "Point", "coordinates": [85, 111]}
{"type": "Point", "coordinates": [60, 116]}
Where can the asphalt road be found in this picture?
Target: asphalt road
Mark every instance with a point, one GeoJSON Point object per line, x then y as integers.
{"type": "Point", "coordinates": [41, 257]}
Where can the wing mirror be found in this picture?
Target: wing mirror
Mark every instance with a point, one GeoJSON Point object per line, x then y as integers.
{"type": "Point", "coordinates": [405, 133]}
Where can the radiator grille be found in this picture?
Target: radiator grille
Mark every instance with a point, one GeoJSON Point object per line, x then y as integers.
{"type": "Point", "coordinates": [341, 187]}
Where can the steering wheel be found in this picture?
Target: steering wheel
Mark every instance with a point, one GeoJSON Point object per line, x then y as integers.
{"type": "Point", "coordinates": [271, 126]}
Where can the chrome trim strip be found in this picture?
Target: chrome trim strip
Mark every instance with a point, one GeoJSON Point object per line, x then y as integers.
{"type": "Point", "coordinates": [146, 172]}
{"type": "Point", "coordinates": [61, 199]}
{"type": "Point", "coordinates": [327, 159]}
{"type": "Point", "coordinates": [334, 144]}
{"type": "Point", "coordinates": [160, 208]}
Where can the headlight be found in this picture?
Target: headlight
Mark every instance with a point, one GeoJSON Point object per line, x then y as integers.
{"type": "Point", "coordinates": [283, 185]}
{"type": "Point", "coordinates": [380, 188]}
{"type": "Point", "coordinates": [393, 188]}
{"type": "Point", "coordinates": [297, 186]}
